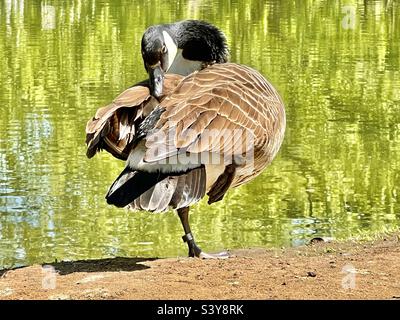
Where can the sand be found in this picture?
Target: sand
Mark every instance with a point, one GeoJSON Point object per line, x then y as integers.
{"type": "Point", "coordinates": [334, 270]}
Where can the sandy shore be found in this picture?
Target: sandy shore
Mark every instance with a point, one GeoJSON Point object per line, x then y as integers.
{"type": "Point", "coordinates": [346, 270]}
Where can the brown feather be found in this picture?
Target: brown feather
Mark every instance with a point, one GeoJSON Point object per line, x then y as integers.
{"type": "Point", "coordinates": [241, 109]}
{"type": "Point", "coordinates": [238, 100]}
{"type": "Point", "coordinates": [114, 126]}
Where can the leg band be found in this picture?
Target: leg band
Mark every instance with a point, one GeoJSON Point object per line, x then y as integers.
{"type": "Point", "coordinates": [187, 237]}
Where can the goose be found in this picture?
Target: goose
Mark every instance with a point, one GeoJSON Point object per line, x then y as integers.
{"type": "Point", "coordinates": [210, 131]}
{"type": "Point", "coordinates": [181, 48]}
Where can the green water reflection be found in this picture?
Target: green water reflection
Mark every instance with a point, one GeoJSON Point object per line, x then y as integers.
{"type": "Point", "coordinates": [337, 173]}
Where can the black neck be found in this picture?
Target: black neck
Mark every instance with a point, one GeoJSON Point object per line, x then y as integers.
{"type": "Point", "coordinates": [200, 41]}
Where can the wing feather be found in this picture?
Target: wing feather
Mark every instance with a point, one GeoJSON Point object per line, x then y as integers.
{"type": "Point", "coordinates": [114, 126]}
{"type": "Point", "coordinates": [224, 109]}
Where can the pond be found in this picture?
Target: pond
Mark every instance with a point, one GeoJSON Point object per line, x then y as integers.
{"type": "Point", "coordinates": [335, 63]}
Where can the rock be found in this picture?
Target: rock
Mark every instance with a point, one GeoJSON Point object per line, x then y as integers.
{"type": "Point", "coordinates": [96, 293]}
{"type": "Point", "coordinates": [6, 292]}
{"type": "Point", "coordinates": [316, 240]}
{"type": "Point", "coordinates": [320, 240]}
{"type": "Point", "coordinates": [311, 274]}
{"type": "Point", "coordinates": [90, 278]}
{"type": "Point", "coordinates": [59, 297]}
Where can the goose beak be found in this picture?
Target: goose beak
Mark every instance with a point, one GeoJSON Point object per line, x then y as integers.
{"type": "Point", "coordinates": [156, 75]}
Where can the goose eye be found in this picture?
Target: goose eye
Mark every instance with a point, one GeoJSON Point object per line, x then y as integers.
{"type": "Point", "coordinates": [164, 49]}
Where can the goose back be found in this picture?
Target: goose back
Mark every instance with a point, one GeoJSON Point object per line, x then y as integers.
{"type": "Point", "coordinates": [226, 109]}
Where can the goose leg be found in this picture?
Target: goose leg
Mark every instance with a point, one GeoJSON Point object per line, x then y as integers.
{"type": "Point", "coordinates": [194, 250]}
{"type": "Point", "coordinates": [221, 186]}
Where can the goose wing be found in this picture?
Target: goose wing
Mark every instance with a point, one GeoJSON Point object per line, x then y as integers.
{"type": "Point", "coordinates": [114, 126]}
{"type": "Point", "coordinates": [226, 109]}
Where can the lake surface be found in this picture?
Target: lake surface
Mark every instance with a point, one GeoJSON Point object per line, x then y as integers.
{"type": "Point", "coordinates": [337, 175]}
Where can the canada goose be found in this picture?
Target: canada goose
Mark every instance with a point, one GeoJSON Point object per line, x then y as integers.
{"type": "Point", "coordinates": [181, 48]}
{"type": "Point", "coordinates": [212, 130]}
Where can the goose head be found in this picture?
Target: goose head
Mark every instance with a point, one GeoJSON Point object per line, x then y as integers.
{"type": "Point", "coordinates": [181, 48]}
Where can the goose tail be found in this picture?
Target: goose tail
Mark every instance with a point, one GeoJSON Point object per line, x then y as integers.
{"type": "Point", "coordinates": [156, 191]}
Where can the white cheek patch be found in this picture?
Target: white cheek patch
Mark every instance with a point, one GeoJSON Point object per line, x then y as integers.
{"type": "Point", "coordinates": [184, 66]}
{"type": "Point", "coordinates": [171, 47]}
{"type": "Point", "coordinates": [176, 62]}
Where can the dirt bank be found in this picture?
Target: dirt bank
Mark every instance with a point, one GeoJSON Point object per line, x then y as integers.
{"type": "Point", "coordinates": [323, 271]}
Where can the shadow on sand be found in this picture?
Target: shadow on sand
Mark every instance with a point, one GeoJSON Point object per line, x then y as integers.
{"type": "Point", "coordinates": [100, 265]}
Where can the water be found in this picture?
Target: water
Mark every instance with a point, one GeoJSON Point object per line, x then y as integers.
{"type": "Point", "coordinates": [336, 175]}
